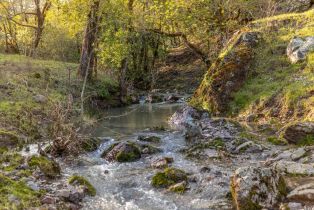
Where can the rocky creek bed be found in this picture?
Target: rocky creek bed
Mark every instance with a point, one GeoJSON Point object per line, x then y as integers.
{"type": "Point", "coordinates": [197, 162]}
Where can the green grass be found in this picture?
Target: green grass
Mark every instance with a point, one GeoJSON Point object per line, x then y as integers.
{"type": "Point", "coordinates": [22, 78]}
{"type": "Point", "coordinates": [26, 196]}
{"type": "Point", "coordinates": [272, 73]}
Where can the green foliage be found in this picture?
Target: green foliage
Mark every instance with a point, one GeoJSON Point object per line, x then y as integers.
{"type": "Point", "coordinates": [79, 180]}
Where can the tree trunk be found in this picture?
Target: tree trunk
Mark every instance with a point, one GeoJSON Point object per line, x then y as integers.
{"type": "Point", "coordinates": [89, 41]}
{"type": "Point", "coordinates": [122, 81]}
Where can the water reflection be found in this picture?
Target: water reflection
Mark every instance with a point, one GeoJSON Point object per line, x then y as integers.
{"type": "Point", "coordinates": [128, 120]}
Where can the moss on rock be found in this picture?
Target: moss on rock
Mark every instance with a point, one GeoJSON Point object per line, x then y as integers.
{"type": "Point", "coordinates": [168, 177]}
{"type": "Point", "coordinates": [122, 152]}
{"type": "Point", "coordinates": [79, 180]}
{"type": "Point", "coordinates": [49, 168]}
{"type": "Point", "coordinates": [226, 75]}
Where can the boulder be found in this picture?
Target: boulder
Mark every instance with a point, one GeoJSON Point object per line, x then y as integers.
{"type": "Point", "coordinates": [168, 177]}
{"type": "Point", "coordinates": [300, 133]}
{"type": "Point", "coordinates": [40, 99]}
{"type": "Point", "coordinates": [299, 48]}
{"type": "Point", "coordinates": [256, 188]}
{"type": "Point", "coordinates": [294, 168]}
{"type": "Point", "coordinates": [226, 75]}
{"type": "Point", "coordinates": [122, 152]}
{"type": "Point", "coordinates": [48, 167]}
{"type": "Point", "coordinates": [302, 193]}
{"type": "Point", "coordinates": [184, 116]}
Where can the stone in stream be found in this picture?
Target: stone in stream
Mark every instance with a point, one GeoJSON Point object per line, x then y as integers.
{"type": "Point", "coordinates": [169, 177]}
{"type": "Point", "coordinates": [122, 152]}
{"type": "Point", "coordinates": [257, 188]}
{"type": "Point", "coordinates": [162, 162]}
{"type": "Point", "coordinates": [151, 139]}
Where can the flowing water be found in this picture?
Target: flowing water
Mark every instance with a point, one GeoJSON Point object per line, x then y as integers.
{"type": "Point", "coordinates": [126, 186]}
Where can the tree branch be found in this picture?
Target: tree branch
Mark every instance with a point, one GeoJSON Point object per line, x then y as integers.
{"type": "Point", "coordinates": [190, 45]}
{"type": "Point", "coordinates": [21, 24]}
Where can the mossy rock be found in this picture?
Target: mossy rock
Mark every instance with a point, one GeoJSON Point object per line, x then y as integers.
{"type": "Point", "coordinates": [79, 180]}
{"type": "Point", "coordinates": [227, 75]}
{"type": "Point", "coordinates": [91, 144]}
{"type": "Point", "coordinates": [122, 152]}
{"type": "Point", "coordinates": [168, 177]}
{"type": "Point", "coordinates": [49, 168]}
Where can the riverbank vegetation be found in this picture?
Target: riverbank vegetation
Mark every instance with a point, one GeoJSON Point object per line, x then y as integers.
{"type": "Point", "coordinates": [63, 62]}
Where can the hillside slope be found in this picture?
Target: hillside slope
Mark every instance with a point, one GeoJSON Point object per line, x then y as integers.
{"type": "Point", "coordinates": [254, 75]}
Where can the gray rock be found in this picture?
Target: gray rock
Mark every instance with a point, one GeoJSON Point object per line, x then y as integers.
{"type": "Point", "coordinates": [291, 206]}
{"type": "Point", "coordinates": [294, 168]}
{"type": "Point", "coordinates": [294, 5]}
{"type": "Point", "coordinates": [40, 99]}
{"type": "Point", "coordinates": [48, 200]}
{"type": "Point", "coordinates": [249, 147]}
{"type": "Point", "coordinates": [34, 186]}
{"type": "Point", "coordinates": [256, 187]}
{"type": "Point", "coordinates": [64, 193]}
{"type": "Point", "coordinates": [184, 116]}
{"type": "Point", "coordinates": [13, 199]}
{"type": "Point", "coordinates": [161, 162]}
{"type": "Point", "coordinates": [302, 193]}
{"type": "Point", "coordinates": [298, 154]}
{"type": "Point", "coordinates": [76, 196]}
{"type": "Point", "coordinates": [298, 48]}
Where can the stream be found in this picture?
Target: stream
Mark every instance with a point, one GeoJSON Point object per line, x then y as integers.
{"type": "Point", "coordinates": [126, 186]}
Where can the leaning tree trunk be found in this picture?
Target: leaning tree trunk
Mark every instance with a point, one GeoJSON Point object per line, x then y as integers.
{"type": "Point", "coordinates": [87, 60]}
